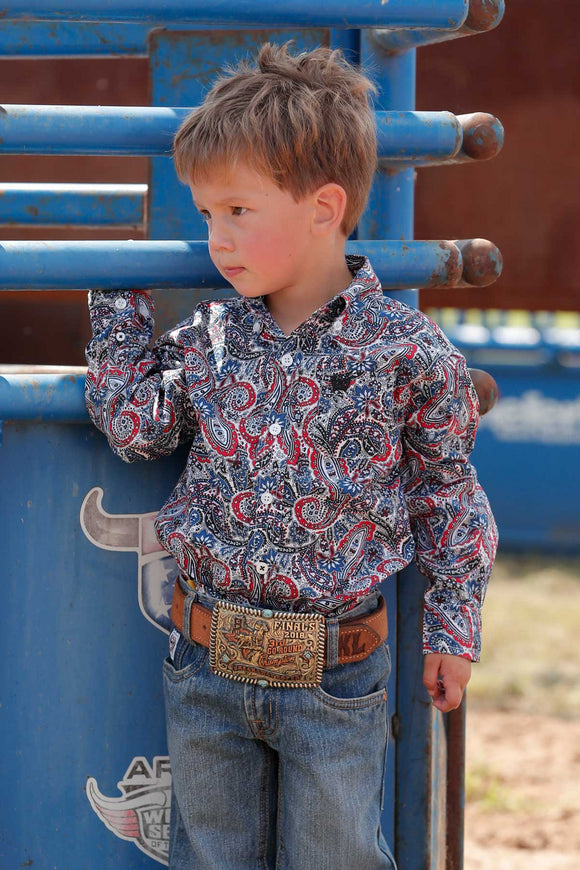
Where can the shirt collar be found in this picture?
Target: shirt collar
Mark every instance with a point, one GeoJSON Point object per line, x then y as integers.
{"type": "Point", "coordinates": [364, 282]}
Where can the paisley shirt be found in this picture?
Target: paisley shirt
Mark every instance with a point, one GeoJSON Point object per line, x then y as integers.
{"type": "Point", "coordinates": [321, 462]}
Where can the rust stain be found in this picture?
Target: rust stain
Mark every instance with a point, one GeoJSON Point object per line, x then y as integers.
{"type": "Point", "coordinates": [484, 14]}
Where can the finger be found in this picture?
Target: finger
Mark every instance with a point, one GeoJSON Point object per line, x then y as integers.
{"type": "Point", "coordinates": [450, 699]}
{"type": "Point", "coordinates": [431, 674]}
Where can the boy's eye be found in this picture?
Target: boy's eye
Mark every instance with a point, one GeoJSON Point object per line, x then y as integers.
{"type": "Point", "coordinates": [205, 216]}
{"type": "Point", "coordinates": [238, 210]}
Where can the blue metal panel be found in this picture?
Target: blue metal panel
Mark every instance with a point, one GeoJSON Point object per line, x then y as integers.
{"type": "Point", "coordinates": [88, 204]}
{"type": "Point", "coordinates": [117, 265]}
{"type": "Point", "coordinates": [535, 359]}
{"type": "Point", "coordinates": [445, 14]}
{"type": "Point", "coordinates": [73, 652]}
{"type": "Point", "coordinates": [526, 455]}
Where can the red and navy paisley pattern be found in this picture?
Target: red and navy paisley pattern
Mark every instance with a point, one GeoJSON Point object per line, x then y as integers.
{"type": "Point", "coordinates": [320, 463]}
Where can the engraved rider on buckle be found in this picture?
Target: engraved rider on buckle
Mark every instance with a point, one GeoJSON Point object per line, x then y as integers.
{"type": "Point", "coordinates": [267, 647]}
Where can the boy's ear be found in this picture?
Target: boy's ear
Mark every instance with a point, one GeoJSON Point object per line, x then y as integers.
{"type": "Point", "coordinates": [329, 208]}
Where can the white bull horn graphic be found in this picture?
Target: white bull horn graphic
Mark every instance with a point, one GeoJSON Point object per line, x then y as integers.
{"type": "Point", "coordinates": [121, 532]}
{"type": "Point", "coordinates": [156, 570]}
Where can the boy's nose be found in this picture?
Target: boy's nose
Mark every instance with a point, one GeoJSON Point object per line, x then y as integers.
{"type": "Point", "coordinates": [219, 239]}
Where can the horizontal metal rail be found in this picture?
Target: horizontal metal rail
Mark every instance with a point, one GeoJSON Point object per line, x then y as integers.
{"type": "Point", "coordinates": [483, 16]}
{"type": "Point", "coordinates": [412, 138]}
{"type": "Point", "coordinates": [74, 265]}
{"type": "Point", "coordinates": [446, 14]}
{"type": "Point", "coordinates": [47, 397]}
{"type": "Point", "coordinates": [34, 395]}
{"type": "Point", "coordinates": [72, 39]}
{"type": "Point", "coordinates": [99, 205]}
{"type": "Point", "coordinates": [69, 130]}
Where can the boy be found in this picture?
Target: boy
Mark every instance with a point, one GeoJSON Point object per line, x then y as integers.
{"type": "Point", "coordinates": [330, 428]}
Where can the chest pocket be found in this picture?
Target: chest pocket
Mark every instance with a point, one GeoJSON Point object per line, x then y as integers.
{"type": "Point", "coordinates": [355, 410]}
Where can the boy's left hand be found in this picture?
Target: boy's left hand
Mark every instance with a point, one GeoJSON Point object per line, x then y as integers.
{"type": "Point", "coordinates": [445, 678]}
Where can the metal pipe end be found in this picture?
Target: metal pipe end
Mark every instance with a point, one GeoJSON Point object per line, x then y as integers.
{"type": "Point", "coordinates": [484, 15]}
{"type": "Point", "coordinates": [486, 388]}
{"type": "Point", "coordinates": [482, 262]}
{"type": "Point", "coordinates": [483, 136]}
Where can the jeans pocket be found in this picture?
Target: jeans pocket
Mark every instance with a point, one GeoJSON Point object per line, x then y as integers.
{"type": "Point", "coordinates": [187, 658]}
{"type": "Point", "coordinates": [357, 684]}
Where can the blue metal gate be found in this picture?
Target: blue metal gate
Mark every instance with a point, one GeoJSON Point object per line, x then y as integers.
{"type": "Point", "coordinates": [85, 773]}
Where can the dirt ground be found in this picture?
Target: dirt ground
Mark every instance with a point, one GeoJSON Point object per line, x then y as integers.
{"type": "Point", "coordinates": [523, 725]}
{"type": "Point", "coordinates": [523, 787]}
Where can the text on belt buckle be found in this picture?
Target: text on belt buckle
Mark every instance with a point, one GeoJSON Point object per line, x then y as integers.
{"type": "Point", "coordinates": [267, 646]}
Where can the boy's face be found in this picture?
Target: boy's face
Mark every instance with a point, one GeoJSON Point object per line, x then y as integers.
{"type": "Point", "coordinates": [259, 237]}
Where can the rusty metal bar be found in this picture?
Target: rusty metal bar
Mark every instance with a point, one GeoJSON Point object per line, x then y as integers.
{"type": "Point", "coordinates": [455, 729]}
{"type": "Point", "coordinates": [482, 138]}
{"type": "Point", "coordinates": [404, 138]}
{"type": "Point", "coordinates": [77, 265]}
{"type": "Point", "coordinates": [483, 16]}
{"type": "Point", "coordinates": [445, 14]}
{"type": "Point", "coordinates": [72, 204]}
{"type": "Point", "coordinates": [56, 393]}
{"type": "Point", "coordinates": [411, 137]}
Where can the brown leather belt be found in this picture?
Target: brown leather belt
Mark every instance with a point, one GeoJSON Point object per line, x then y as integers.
{"type": "Point", "coordinates": [357, 637]}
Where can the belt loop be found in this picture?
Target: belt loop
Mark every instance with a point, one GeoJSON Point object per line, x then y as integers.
{"type": "Point", "coordinates": [332, 629]}
{"type": "Point", "coordinates": [187, 605]}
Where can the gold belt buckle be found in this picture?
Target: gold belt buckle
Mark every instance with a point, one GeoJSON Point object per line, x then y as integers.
{"type": "Point", "coordinates": [267, 647]}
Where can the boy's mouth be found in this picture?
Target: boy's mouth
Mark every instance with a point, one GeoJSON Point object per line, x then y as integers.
{"type": "Point", "coordinates": [232, 271]}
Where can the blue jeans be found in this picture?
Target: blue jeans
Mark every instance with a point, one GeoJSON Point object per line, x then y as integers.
{"type": "Point", "coordinates": [277, 779]}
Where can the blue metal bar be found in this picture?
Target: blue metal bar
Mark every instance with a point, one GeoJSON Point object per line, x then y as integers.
{"type": "Point", "coordinates": [68, 204]}
{"type": "Point", "coordinates": [66, 39]}
{"type": "Point", "coordinates": [51, 265]}
{"type": "Point", "coordinates": [43, 397]}
{"type": "Point", "coordinates": [390, 212]}
{"type": "Point", "coordinates": [483, 15]}
{"type": "Point", "coordinates": [445, 14]}
{"type": "Point", "coordinates": [418, 137]}
{"type": "Point", "coordinates": [402, 136]}
{"type": "Point", "coordinates": [69, 130]}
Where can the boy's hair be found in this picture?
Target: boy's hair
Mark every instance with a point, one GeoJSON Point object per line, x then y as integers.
{"type": "Point", "coordinates": [303, 120]}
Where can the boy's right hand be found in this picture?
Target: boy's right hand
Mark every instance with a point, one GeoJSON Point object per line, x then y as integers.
{"type": "Point", "coordinates": [445, 678]}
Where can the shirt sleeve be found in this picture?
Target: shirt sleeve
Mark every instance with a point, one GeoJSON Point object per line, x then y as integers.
{"type": "Point", "coordinates": [452, 524]}
{"type": "Point", "coordinates": [136, 395]}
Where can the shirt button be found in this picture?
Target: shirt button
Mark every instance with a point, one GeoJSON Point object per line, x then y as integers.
{"type": "Point", "coordinates": [120, 336]}
{"type": "Point", "coordinates": [256, 327]}
{"type": "Point", "coordinates": [120, 303]}
{"type": "Point", "coordinates": [275, 429]}
{"type": "Point", "coordinates": [287, 360]}
{"type": "Point", "coordinates": [261, 567]}
{"type": "Point", "coordinates": [266, 498]}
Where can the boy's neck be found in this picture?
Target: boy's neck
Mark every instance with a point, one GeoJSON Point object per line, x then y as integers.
{"type": "Point", "coordinates": [322, 282]}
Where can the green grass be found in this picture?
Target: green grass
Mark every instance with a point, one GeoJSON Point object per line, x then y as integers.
{"type": "Point", "coordinates": [484, 786]}
{"type": "Point", "coordinates": [531, 633]}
